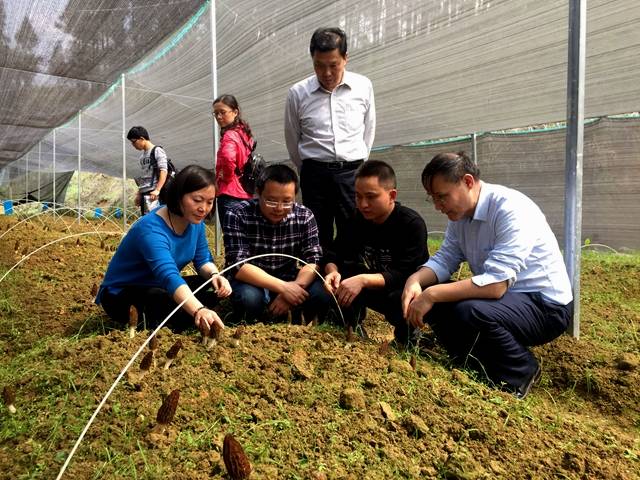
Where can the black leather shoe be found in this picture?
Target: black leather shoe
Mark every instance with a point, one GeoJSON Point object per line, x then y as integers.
{"type": "Point", "coordinates": [523, 390]}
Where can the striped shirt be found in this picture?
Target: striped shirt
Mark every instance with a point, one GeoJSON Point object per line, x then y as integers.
{"type": "Point", "coordinates": [248, 233]}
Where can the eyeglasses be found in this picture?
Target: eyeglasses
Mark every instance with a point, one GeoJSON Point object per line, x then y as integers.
{"type": "Point", "coordinates": [284, 205]}
{"type": "Point", "coordinates": [439, 198]}
{"type": "Point", "coordinates": [220, 113]}
{"type": "Point", "coordinates": [133, 141]}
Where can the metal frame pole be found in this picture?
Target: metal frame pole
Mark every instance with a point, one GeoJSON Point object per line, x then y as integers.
{"type": "Point", "coordinates": [79, 158]}
{"type": "Point", "coordinates": [39, 162]}
{"type": "Point", "coordinates": [474, 147]}
{"type": "Point", "coordinates": [216, 134]}
{"type": "Point", "coordinates": [54, 170]}
{"type": "Point", "coordinates": [26, 178]}
{"type": "Point", "coordinates": [574, 152]}
{"type": "Point", "coordinates": [124, 159]}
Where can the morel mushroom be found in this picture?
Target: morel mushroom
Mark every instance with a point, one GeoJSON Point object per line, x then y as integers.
{"type": "Point", "coordinates": [237, 335]}
{"type": "Point", "coordinates": [351, 336]}
{"type": "Point", "coordinates": [16, 246]}
{"type": "Point", "coordinates": [94, 289]}
{"type": "Point", "coordinates": [235, 460]}
{"type": "Point", "coordinates": [9, 398]}
{"type": "Point", "coordinates": [146, 363]}
{"type": "Point", "coordinates": [133, 320]}
{"type": "Point", "coordinates": [101, 244]}
{"type": "Point", "coordinates": [172, 354]}
{"type": "Point", "coordinates": [412, 362]}
{"type": "Point", "coordinates": [204, 331]}
{"type": "Point", "coordinates": [215, 334]}
{"type": "Point", "coordinates": [167, 410]}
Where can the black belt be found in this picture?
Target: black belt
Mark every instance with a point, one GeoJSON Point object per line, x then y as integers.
{"type": "Point", "coordinates": [339, 165]}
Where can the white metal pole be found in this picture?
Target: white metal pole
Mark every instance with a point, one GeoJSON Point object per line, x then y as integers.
{"type": "Point", "coordinates": [79, 159]}
{"type": "Point", "coordinates": [574, 152]}
{"type": "Point", "coordinates": [214, 81]}
{"type": "Point", "coordinates": [26, 178]}
{"type": "Point", "coordinates": [124, 159]}
{"type": "Point", "coordinates": [474, 147]}
{"type": "Point", "coordinates": [39, 163]}
{"type": "Point", "coordinates": [54, 169]}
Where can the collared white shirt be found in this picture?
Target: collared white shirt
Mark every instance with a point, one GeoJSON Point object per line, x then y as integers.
{"type": "Point", "coordinates": [508, 238]}
{"type": "Point", "coordinates": [330, 126]}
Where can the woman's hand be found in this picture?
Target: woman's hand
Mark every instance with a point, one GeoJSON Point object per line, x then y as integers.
{"type": "Point", "coordinates": [205, 317]}
{"type": "Point", "coordinates": [221, 286]}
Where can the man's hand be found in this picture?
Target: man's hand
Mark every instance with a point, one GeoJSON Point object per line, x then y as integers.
{"type": "Point", "coordinates": [221, 286]}
{"type": "Point", "coordinates": [349, 289]}
{"type": "Point", "coordinates": [418, 308]}
{"type": "Point", "coordinates": [206, 317]}
{"type": "Point", "coordinates": [153, 194]}
{"type": "Point", "coordinates": [412, 289]}
{"type": "Point", "coordinates": [279, 306]}
{"type": "Point", "coordinates": [293, 293]}
{"type": "Point", "coordinates": [332, 281]}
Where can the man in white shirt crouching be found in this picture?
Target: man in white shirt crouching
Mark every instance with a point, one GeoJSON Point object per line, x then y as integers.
{"type": "Point", "coordinates": [519, 294]}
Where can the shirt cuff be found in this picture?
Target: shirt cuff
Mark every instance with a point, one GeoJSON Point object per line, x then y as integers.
{"type": "Point", "coordinates": [488, 279]}
{"type": "Point", "coordinates": [442, 273]}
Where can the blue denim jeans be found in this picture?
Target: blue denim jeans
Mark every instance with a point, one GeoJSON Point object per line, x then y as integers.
{"type": "Point", "coordinates": [250, 302]}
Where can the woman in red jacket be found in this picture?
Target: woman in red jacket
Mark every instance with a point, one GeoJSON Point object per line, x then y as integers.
{"type": "Point", "coordinates": [236, 142]}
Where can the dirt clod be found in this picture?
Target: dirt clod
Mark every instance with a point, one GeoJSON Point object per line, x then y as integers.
{"type": "Point", "coordinates": [352, 399]}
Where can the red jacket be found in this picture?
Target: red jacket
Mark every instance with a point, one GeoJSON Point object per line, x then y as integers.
{"type": "Point", "coordinates": [232, 155]}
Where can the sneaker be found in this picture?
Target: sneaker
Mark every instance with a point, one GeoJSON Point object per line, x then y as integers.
{"type": "Point", "coordinates": [523, 390]}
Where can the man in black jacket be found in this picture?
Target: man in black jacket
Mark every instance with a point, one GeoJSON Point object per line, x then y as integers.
{"type": "Point", "coordinates": [384, 243]}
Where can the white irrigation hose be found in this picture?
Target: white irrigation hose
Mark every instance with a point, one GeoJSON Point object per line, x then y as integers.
{"type": "Point", "coordinates": [157, 329]}
{"type": "Point", "coordinates": [50, 211]}
{"type": "Point", "coordinates": [26, 257]}
{"type": "Point", "coordinates": [587, 245]}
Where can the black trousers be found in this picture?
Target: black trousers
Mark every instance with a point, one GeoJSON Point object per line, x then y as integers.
{"type": "Point", "coordinates": [155, 303]}
{"type": "Point", "coordinates": [384, 301]}
{"type": "Point", "coordinates": [328, 190]}
{"type": "Point", "coordinates": [492, 336]}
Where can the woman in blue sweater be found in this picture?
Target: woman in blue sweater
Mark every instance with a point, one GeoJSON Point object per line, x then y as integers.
{"type": "Point", "coordinates": [145, 270]}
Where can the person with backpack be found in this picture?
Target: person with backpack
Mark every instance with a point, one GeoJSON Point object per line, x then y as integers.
{"type": "Point", "coordinates": [154, 167]}
{"type": "Point", "coordinates": [236, 146]}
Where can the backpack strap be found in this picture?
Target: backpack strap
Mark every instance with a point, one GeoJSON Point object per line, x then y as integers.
{"type": "Point", "coordinates": [152, 157]}
{"type": "Point", "coordinates": [251, 149]}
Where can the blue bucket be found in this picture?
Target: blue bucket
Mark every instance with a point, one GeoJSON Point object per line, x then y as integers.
{"type": "Point", "coordinates": [118, 213]}
{"type": "Point", "coordinates": [98, 212]}
{"type": "Point", "coordinates": [45, 206]}
{"type": "Point", "coordinates": [8, 207]}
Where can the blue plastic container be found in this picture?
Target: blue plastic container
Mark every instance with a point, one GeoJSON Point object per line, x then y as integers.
{"type": "Point", "coordinates": [98, 212]}
{"type": "Point", "coordinates": [8, 207]}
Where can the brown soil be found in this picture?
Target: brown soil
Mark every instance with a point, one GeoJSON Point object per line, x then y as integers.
{"type": "Point", "coordinates": [302, 401]}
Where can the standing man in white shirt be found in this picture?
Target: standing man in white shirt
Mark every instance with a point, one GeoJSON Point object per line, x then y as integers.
{"type": "Point", "coordinates": [329, 125]}
{"type": "Point", "coordinates": [519, 294]}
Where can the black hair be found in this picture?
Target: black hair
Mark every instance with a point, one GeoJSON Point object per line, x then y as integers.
{"type": "Point", "coordinates": [328, 39]}
{"type": "Point", "coordinates": [452, 166]}
{"type": "Point", "coordinates": [279, 173]}
{"type": "Point", "coordinates": [190, 179]}
{"type": "Point", "coordinates": [137, 132]}
{"type": "Point", "coordinates": [379, 169]}
{"type": "Point", "coordinates": [231, 102]}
